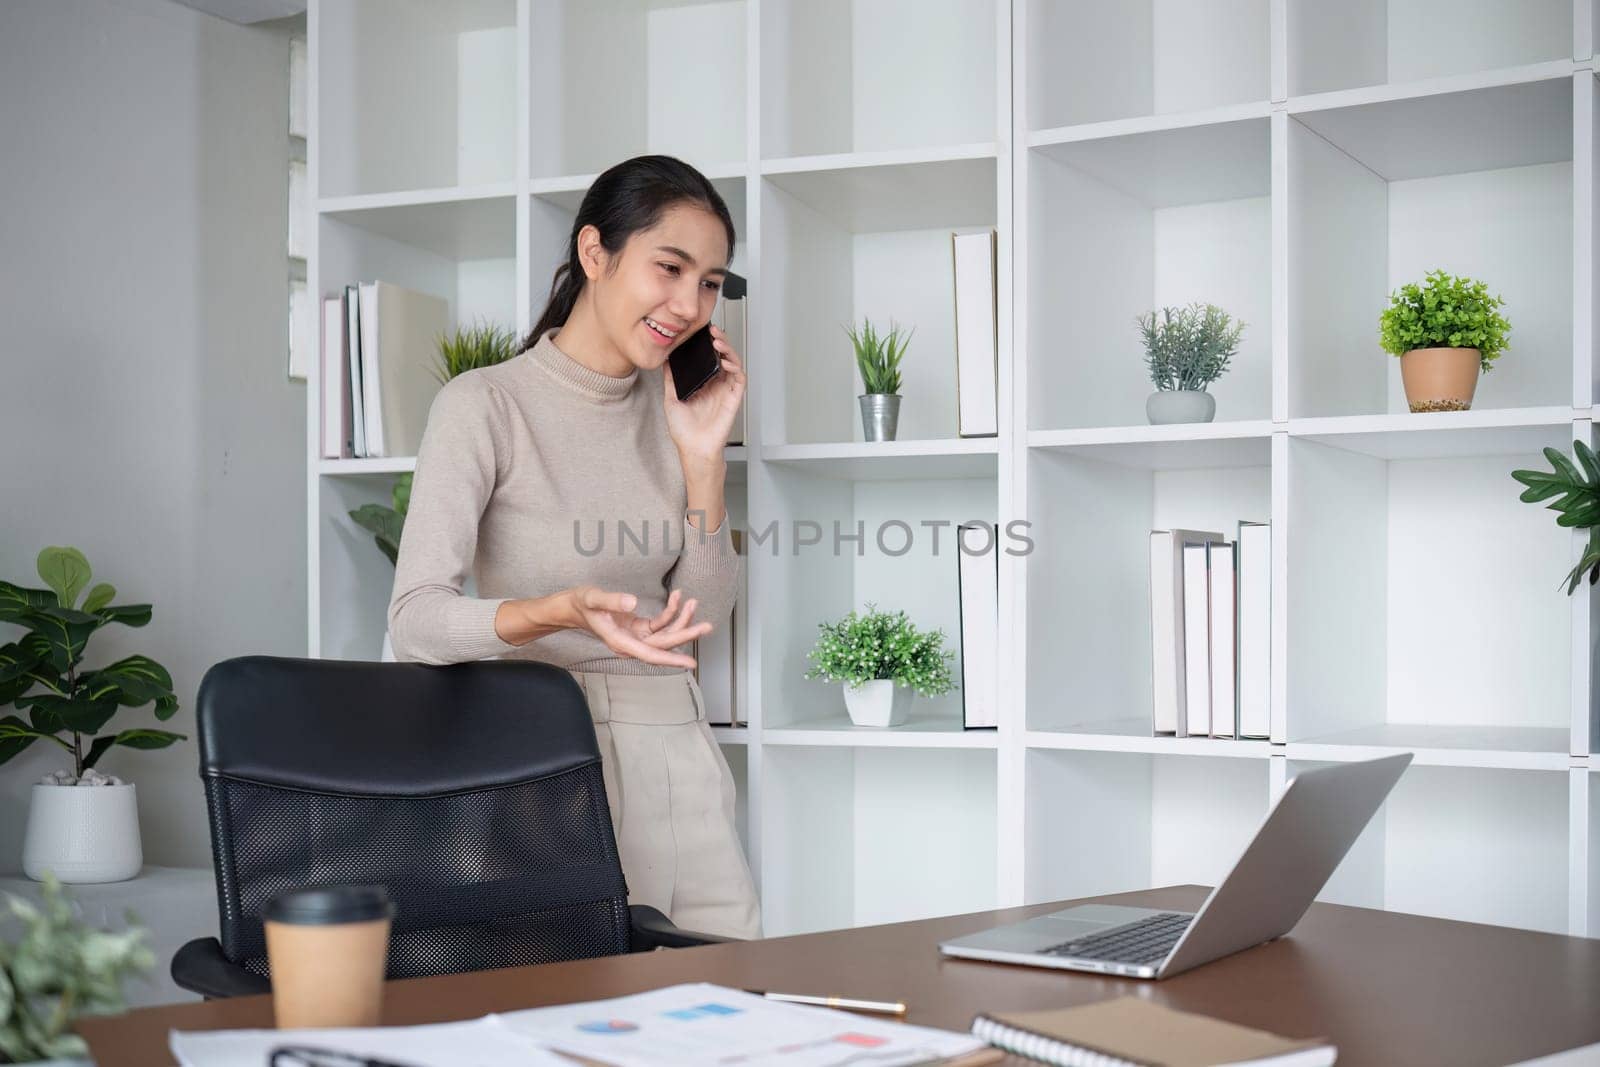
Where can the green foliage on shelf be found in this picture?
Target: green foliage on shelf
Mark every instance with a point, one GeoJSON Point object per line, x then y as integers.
{"type": "Point", "coordinates": [1445, 312]}
{"type": "Point", "coordinates": [42, 673]}
{"type": "Point", "coordinates": [882, 645]}
{"type": "Point", "coordinates": [878, 356]}
{"type": "Point", "coordinates": [1189, 347]}
{"type": "Point", "coordinates": [58, 969]}
{"type": "Point", "coordinates": [1578, 506]}
{"type": "Point", "coordinates": [483, 344]}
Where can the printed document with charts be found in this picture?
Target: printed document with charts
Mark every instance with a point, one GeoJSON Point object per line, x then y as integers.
{"type": "Point", "coordinates": [700, 1025]}
{"type": "Point", "coordinates": [689, 1025]}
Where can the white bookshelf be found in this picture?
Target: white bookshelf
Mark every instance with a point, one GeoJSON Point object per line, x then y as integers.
{"type": "Point", "coordinates": [1264, 155]}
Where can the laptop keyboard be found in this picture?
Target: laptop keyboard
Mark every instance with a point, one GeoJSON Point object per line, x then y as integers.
{"type": "Point", "coordinates": [1146, 941]}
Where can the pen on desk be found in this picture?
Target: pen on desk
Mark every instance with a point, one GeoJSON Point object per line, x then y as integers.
{"type": "Point", "coordinates": [847, 1003]}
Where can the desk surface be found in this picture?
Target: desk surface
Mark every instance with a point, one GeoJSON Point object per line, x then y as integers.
{"type": "Point", "coordinates": [1387, 988]}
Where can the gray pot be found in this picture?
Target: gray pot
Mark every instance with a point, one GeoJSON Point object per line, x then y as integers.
{"type": "Point", "coordinates": [880, 413]}
{"type": "Point", "coordinates": [1180, 405]}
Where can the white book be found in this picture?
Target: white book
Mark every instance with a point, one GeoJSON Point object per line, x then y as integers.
{"type": "Point", "coordinates": [1255, 630]}
{"type": "Point", "coordinates": [358, 406]}
{"type": "Point", "coordinates": [399, 341]}
{"type": "Point", "coordinates": [299, 210]}
{"type": "Point", "coordinates": [333, 377]}
{"type": "Point", "coordinates": [978, 593]}
{"type": "Point", "coordinates": [302, 330]}
{"type": "Point", "coordinates": [1195, 721]}
{"type": "Point", "coordinates": [297, 87]}
{"type": "Point", "coordinates": [974, 257]}
{"type": "Point", "coordinates": [730, 316]}
{"type": "Point", "coordinates": [1224, 702]}
{"type": "Point", "coordinates": [1168, 682]}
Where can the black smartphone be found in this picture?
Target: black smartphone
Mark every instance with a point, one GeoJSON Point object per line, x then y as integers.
{"type": "Point", "coordinates": [694, 363]}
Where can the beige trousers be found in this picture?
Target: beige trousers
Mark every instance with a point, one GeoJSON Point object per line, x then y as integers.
{"type": "Point", "coordinates": [672, 801]}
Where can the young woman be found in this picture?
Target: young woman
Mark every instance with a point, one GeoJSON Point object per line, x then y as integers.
{"type": "Point", "coordinates": [587, 501]}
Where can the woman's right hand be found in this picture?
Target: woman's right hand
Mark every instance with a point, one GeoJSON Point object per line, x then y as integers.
{"type": "Point", "coordinates": [609, 616]}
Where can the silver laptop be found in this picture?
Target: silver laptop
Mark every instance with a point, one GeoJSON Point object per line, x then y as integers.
{"type": "Point", "coordinates": [1305, 835]}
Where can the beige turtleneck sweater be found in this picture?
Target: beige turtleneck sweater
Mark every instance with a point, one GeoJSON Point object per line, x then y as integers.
{"type": "Point", "coordinates": [537, 475]}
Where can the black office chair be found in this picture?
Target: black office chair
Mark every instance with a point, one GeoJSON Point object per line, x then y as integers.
{"type": "Point", "coordinates": [472, 792]}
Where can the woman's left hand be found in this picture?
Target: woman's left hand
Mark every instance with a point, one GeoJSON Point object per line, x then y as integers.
{"type": "Point", "coordinates": [700, 425]}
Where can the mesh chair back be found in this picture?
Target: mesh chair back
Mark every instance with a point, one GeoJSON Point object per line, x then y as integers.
{"type": "Point", "coordinates": [473, 793]}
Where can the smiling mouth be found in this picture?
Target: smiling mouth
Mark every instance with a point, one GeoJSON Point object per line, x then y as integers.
{"type": "Point", "coordinates": [660, 330]}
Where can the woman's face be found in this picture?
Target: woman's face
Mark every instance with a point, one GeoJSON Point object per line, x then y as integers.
{"type": "Point", "coordinates": [665, 284]}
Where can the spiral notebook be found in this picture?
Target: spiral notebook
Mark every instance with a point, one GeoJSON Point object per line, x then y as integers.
{"type": "Point", "coordinates": [1129, 1032]}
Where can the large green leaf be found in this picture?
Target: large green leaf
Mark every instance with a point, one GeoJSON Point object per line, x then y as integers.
{"type": "Point", "coordinates": [65, 636]}
{"type": "Point", "coordinates": [65, 570]}
{"type": "Point", "coordinates": [99, 597]}
{"type": "Point", "coordinates": [78, 713]}
{"type": "Point", "coordinates": [126, 614]}
{"type": "Point", "coordinates": [16, 735]}
{"type": "Point", "coordinates": [135, 681]}
{"type": "Point", "coordinates": [17, 662]}
{"type": "Point", "coordinates": [385, 524]}
{"type": "Point", "coordinates": [136, 738]}
{"type": "Point", "coordinates": [16, 602]}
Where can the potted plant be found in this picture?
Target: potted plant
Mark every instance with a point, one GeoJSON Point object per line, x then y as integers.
{"type": "Point", "coordinates": [81, 834]}
{"type": "Point", "coordinates": [1186, 349]}
{"type": "Point", "coordinates": [1578, 507]}
{"type": "Point", "coordinates": [878, 360]}
{"type": "Point", "coordinates": [1444, 331]}
{"type": "Point", "coordinates": [56, 970]}
{"type": "Point", "coordinates": [482, 345]}
{"type": "Point", "coordinates": [881, 659]}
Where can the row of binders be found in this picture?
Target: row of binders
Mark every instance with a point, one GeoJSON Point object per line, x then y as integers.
{"type": "Point", "coordinates": [379, 354]}
{"type": "Point", "coordinates": [1210, 624]}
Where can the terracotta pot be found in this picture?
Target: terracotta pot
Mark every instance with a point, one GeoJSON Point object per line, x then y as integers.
{"type": "Point", "coordinates": [1440, 379]}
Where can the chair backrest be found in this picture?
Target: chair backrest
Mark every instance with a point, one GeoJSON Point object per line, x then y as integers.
{"type": "Point", "coordinates": [472, 792]}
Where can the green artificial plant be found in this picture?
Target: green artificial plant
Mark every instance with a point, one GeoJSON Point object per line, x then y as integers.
{"type": "Point", "coordinates": [1190, 347]}
{"type": "Point", "coordinates": [1578, 506]}
{"type": "Point", "coordinates": [1445, 312]}
{"type": "Point", "coordinates": [878, 356]}
{"type": "Point", "coordinates": [43, 674]}
{"type": "Point", "coordinates": [468, 348]}
{"type": "Point", "coordinates": [58, 969]}
{"type": "Point", "coordinates": [861, 648]}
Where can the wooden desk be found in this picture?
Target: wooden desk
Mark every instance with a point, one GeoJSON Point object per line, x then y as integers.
{"type": "Point", "coordinates": [1389, 989]}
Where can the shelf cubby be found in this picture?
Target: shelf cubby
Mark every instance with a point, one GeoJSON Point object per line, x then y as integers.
{"type": "Point", "coordinates": [415, 94]}
{"type": "Point", "coordinates": [875, 835]}
{"type": "Point", "coordinates": [1121, 226]}
{"type": "Point", "coordinates": [1480, 845]}
{"type": "Point", "coordinates": [1106, 822]}
{"type": "Point", "coordinates": [852, 242]}
{"type": "Point", "coordinates": [463, 251]}
{"type": "Point", "coordinates": [901, 563]}
{"type": "Point", "coordinates": [1393, 42]}
{"type": "Point", "coordinates": [1422, 602]}
{"type": "Point", "coordinates": [1106, 59]}
{"type": "Point", "coordinates": [353, 573]}
{"type": "Point", "coordinates": [846, 76]}
{"type": "Point", "coordinates": [612, 79]}
{"type": "Point", "coordinates": [1089, 634]}
{"type": "Point", "coordinates": [1475, 182]}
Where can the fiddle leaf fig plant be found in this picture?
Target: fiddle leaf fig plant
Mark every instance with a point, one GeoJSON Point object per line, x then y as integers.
{"type": "Point", "coordinates": [43, 675]}
{"type": "Point", "coordinates": [1577, 505]}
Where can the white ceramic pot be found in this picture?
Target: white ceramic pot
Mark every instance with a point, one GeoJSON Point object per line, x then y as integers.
{"type": "Point", "coordinates": [1166, 406]}
{"type": "Point", "coordinates": [83, 833]}
{"type": "Point", "coordinates": [878, 703]}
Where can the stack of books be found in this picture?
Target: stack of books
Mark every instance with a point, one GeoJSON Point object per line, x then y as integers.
{"type": "Point", "coordinates": [1210, 625]}
{"type": "Point", "coordinates": [379, 378]}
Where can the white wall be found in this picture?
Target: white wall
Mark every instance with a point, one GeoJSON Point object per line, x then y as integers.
{"type": "Point", "coordinates": [145, 415]}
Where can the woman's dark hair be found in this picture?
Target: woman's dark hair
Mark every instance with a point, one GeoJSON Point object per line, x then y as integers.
{"type": "Point", "coordinates": [631, 196]}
